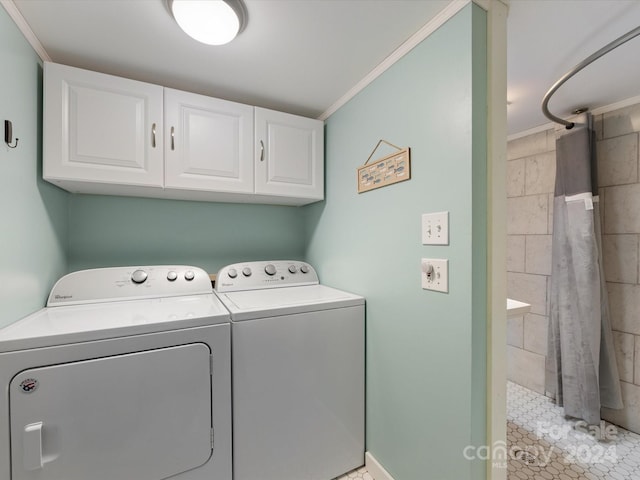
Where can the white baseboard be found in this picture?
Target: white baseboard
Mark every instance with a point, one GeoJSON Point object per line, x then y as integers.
{"type": "Point", "coordinates": [374, 468]}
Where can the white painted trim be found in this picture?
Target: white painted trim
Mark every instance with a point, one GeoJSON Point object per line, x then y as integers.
{"type": "Point", "coordinates": [616, 106]}
{"type": "Point", "coordinates": [496, 235]}
{"type": "Point", "coordinates": [374, 468]}
{"type": "Point", "coordinates": [24, 27]}
{"type": "Point", "coordinates": [531, 131]}
{"type": "Point", "coordinates": [596, 111]}
{"type": "Point", "coordinates": [436, 22]}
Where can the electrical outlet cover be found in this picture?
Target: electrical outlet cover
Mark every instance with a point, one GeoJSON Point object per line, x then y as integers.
{"type": "Point", "coordinates": [435, 274]}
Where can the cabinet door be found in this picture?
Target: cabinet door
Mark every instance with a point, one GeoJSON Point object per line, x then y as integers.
{"type": "Point", "coordinates": [101, 129]}
{"type": "Point", "coordinates": [208, 143]}
{"type": "Point", "coordinates": [289, 155]}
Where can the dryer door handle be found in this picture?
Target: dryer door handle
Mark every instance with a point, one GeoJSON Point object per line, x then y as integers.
{"type": "Point", "coordinates": [32, 446]}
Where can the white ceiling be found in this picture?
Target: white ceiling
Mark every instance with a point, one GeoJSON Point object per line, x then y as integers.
{"type": "Point", "coordinates": [546, 38]}
{"type": "Point", "coordinates": [298, 56]}
{"type": "Point", "coordinates": [301, 56]}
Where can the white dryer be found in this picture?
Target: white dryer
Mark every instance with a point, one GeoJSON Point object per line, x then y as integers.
{"type": "Point", "coordinates": [297, 372]}
{"type": "Point", "coordinates": [125, 375]}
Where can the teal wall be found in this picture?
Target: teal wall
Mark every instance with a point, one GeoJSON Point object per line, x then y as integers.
{"type": "Point", "coordinates": [479, 245]}
{"type": "Point", "coordinates": [426, 351]}
{"type": "Point", "coordinates": [33, 213]}
{"type": "Point", "coordinates": [111, 231]}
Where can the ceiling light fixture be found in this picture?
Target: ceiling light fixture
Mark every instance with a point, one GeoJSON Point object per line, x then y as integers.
{"type": "Point", "coordinates": [214, 22]}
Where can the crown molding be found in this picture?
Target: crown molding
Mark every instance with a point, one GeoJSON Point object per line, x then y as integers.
{"type": "Point", "coordinates": [24, 27]}
{"type": "Point", "coordinates": [436, 22]}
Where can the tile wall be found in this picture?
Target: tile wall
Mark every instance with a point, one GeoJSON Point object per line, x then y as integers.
{"type": "Point", "coordinates": [530, 184]}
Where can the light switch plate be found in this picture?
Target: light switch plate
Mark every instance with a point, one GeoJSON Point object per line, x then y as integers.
{"type": "Point", "coordinates": [435, 274]}
{"type": "Point", "coordinates": [435, 228]}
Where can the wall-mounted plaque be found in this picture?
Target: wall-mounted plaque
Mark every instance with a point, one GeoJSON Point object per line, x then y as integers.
{"type": "Point", "coordinates": [391, 169]}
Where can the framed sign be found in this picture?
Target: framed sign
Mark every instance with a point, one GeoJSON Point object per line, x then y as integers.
{"type": "Point", "coordinates": [388, 170]}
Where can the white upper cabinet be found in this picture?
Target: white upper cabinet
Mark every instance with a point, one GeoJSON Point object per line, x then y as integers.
{"type": "Point", "coordinates": [208, 143]}
{"type": "Point", "coordinates": [289, 155]}
{"type": "Point", "coordinates": [113, 136]}
{"type": "Point", "coordinates": [101, 129]}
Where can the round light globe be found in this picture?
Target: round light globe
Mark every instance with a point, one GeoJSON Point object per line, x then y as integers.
{"type": "Point", "coordinates": [212, 22]}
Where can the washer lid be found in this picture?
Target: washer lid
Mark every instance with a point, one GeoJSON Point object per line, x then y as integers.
{"type": "Point", "coordinates": [98, 321]}
{"type": "Point", "coordinates": [246, 305]}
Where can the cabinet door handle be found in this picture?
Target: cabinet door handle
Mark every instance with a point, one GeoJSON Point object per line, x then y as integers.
{"type": "Point", "coordinates": [153, 135]}
{"type": "Point", "coordinates": [261, 151]}
{"type": "Point", "coordinates": [173, 137]}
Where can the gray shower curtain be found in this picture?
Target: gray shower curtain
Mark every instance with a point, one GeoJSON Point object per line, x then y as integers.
{"type": "Point", "coordinates": [582, 374]}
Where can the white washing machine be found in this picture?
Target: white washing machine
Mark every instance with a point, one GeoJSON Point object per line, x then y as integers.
{"type": "Point", "coordinates": [125, 375]}
{"type": "Point", "coordinates": [297, 372]}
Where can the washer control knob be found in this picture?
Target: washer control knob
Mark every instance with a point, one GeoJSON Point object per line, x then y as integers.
{"type": "Point", "coordinates": [189, 275]}
{"type": "Point", "coordinates": [139, 276]}
{"type": "Point", "coordinates": [293, 269]}
{"type": "Point", "coordinates": [270, 269]}
{"type": "Point", "coordinates": [304, 269]}
{"type": "Point", "coordinates": [171, 276]}
{"type": "Point", "coordinates": [232, 273]}
{"type": "Point", "coordinates": [246, 271]}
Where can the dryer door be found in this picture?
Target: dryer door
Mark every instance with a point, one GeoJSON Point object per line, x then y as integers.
{"type": "Point", "coordinates": [143, 416]}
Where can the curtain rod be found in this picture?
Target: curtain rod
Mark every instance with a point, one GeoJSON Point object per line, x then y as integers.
{"type": "Point", "coordinates": [587, 61]}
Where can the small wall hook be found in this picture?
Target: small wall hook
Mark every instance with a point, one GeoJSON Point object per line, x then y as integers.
{"type": "Point", "coordinates": [8, 134]}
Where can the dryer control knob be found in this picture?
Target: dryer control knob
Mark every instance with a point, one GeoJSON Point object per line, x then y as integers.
{"type": "Point", "coordinates": [246, 271]}
{"type": "Point", "coordinates": [304, 269]}
{"type": "Point", "coordinates": [189, 275]}
{"type": "Point", "coordinates": [139, 276]}
{"type": "Point", "coordinates": [293, 269]}
{"type": "Point", "coordinates": [232, 273]}
{"type": "Point", "coordinates": [172, 276]}
{"type": "Point", "coordinates": [270, 269]}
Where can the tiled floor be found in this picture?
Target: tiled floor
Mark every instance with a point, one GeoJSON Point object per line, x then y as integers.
{"type": "Point", "coordinates": [542, 444]}
{"type": "Point", "coordinates": [359, 473]}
